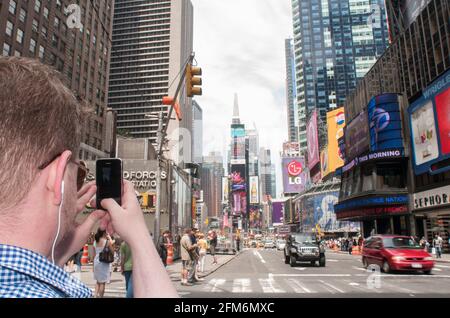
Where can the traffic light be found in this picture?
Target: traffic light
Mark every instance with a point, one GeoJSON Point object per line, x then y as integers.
{"type": "Point", "coordinates": [192, 81]}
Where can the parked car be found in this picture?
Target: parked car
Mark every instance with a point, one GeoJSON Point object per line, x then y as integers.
{"type": "Point", "coordinates": [302, 247]}
{"type": "Point", "coordinates": [396, 253]}
{"type": "Point", "coordinates": [269, 244]}
{"type": "Point", "coordinates": [280, 244]}
{"type": "Point", "coordinates": [260, 244]}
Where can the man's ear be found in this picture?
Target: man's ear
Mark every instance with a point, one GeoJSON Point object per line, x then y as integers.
{"type": "Point", "coordinates": [56, 176]}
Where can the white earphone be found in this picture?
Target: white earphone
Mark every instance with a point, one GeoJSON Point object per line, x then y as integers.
{"type": "Point", "coordinates": [59, 222]}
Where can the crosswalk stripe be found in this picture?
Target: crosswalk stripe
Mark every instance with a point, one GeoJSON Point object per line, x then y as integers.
{"type": "Point", "coordinates": [241, 285]}
{"type": "Point", "coordinates": [437, 269]}
{"type": "Point", "coordinates": [214, 284]}
{"type": "Point", "coordinates": [443, 266]}
{"type": "Point", "coordinates": [270, 286]}
{"type": "Point", "coordinates": [297, 286]}
{"type": "Point", "coordinates": [359, 268]}
{"type": "Point", "coordinates": [331, 286]}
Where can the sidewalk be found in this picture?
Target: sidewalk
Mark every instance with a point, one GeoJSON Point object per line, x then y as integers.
{"type": "Point", "coordinates": [445, 257]}
{"type": "Point", "coordinates": [174, 270]}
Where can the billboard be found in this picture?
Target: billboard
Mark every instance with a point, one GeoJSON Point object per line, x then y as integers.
{"type": "Point", "coordinates": [294, 174]}
{"type": "Point", "coordinates": [238, 182]}
{"type": "Point", "coordinates": [430, 127]}
{"type": "Point", "coordinates": [238, 131]}
{"type": "Point", "coordinates": [291, 148]}
{"type": "Point", "coordinates": [255, 218]}
{"type": "Point", "coordinates": [385, 122]}
{"type": "Point", "coordinates": [254, 190]}
{"type": "Point", "coordinates": [277, 211]}
{"type": "Point", "coordinates": [356, 135]}
{"type": "Point", "coordinates": [238, 148]}
{"type": "Point", "coordinates": [331, 156]}
{"type": "Point", "coordinates": [312, 140]}
{"type": "Point", "coordinates": [225, 190]}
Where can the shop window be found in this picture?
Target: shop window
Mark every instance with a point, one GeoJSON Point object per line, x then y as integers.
{"type": "Point", "coordinates": [390, 176]}
{"type": "Point", "coordinates": [356, 180]}
{"type": "Point", "coordinates": [367, 180]}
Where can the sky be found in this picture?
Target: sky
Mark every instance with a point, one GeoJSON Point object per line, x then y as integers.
{"type": "Point", "coordinates": [239, 44]}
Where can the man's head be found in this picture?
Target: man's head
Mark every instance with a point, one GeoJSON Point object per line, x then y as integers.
{"type": "Point", "coordinates": [39, 139]}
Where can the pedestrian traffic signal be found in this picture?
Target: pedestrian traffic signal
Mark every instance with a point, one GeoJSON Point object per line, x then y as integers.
{"type": "Point", "coordinates": [192, 81]}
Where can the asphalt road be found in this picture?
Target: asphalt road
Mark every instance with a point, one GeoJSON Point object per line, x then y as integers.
{"type": "Point", "coordinates": [263, 273]}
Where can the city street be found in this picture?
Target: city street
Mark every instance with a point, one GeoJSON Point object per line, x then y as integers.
{"type": "Point", "coordinates": [262, 273]}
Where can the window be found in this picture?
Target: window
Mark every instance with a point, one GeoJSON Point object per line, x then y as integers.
{"type": "Point", "coordinates": [19, 36]}
{"type": "Point", "coordinates": [46, 13]}
{"type": "Point", "coordinates": [37, 6]}
{"type": "Point", "coordinates": [41, 52]}
{"type": "Point", "coordinates": [23, 15]}
{"type": "Point", "coordinates": [44, 32]}
{"type": "Point", "coordinates": [55, 40]}
{"type": "Point", "coordinates": [390, 176]}
{"type": "Point", "coordinates": [35, 26]}
{"type": "Point", "coordinates": [12, 6]}
{"type": "Point", "coordinates": [58, 4]}
{"type": "Point", "coordinates": [17, 53]}
{"type": "Point", "coordinates": [32, 46]}
{"type": "Point", "coordinates": [9, 28]}
{"type": "Point", "coordinates": [56, 23]}
{"type": "Point", "coordinates": [6, 49]}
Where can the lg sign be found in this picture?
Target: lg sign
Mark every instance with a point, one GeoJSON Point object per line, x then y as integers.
{"type": "Point", "coordinates": [294, 170]}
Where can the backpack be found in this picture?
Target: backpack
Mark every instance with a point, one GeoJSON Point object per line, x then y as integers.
{"type": "Point", "coordinates": [106, 255]}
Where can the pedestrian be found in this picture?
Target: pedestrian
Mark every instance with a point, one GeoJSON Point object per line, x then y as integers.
{"type": "Point", "coordinates": [186, 257]}
{"type": "Point", "coordinates": [162, 245]}
{"type": "Point", "coordinates": [437, 244]}
{"type": "Point", "coordinates": [360, 243]}
{"type": "Point", "coordinates": [102, 270]}
{"type": "Point", "coordinates": [212, 246]}
{"type": "Point", "coordinates": [350, 246]}
{"type": "Point", "coordinates": [126, 267]}
{"type": "Point", "coordinates": [78, 257]}
{"type": "Point", "coordinates": [203, 246]}
{"type": "Point", "coordinates": [193, 278]}
{"type": "Point", "coordinates": [238, 242]}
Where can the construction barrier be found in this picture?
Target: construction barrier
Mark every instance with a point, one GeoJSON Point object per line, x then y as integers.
{"type": "Point", "coordinates": [85, 256]}
{"type": "Point", "coordinates": [170, 254]}
{"type": "Point", "coordinates": [355, 250]}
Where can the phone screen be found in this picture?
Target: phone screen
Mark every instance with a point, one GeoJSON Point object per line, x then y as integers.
{"type": "Point", "coordinates": [109, 180]}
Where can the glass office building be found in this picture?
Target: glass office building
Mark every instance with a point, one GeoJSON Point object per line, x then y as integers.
{"type": "Point", "coordinates": [335, 43]}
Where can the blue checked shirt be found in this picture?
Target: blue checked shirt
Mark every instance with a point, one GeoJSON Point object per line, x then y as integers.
{"type": "Point", "coordinates": [26, 274]}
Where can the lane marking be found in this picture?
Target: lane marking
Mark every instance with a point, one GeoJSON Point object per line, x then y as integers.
{"type": "Point", "coordinates": [359, 268]}
{"type": "Point", "coordinates": [331, 286]}
{"type": "Point", "coordinates": [443, 266]}
{"type": "Point", "coordinates": [256, 253]}
{"type": "Point", "coordinates": [437, 269]}
{"type": "Point", "coordinates": [270, 286]}
{"type": "Point", "coordinates": [241, 285]}
{"type": "Point", "coordinates": [406, 275]}
{"type": "Point", "coordinates": [353, 284]}
{"type": "Point", "coordinates": [297, 286]}
{"type": "Point", "coordinates": [312, 275]}
{"type": "Point", "coordinates": [332, 260]}
{"type": "Point", "coordinates": [300, 268]}
{"type": "Point", "coordinates": [214, 284]}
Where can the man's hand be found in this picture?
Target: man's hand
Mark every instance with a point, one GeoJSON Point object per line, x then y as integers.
{"type": "Point", "coordinates": [74, 240]}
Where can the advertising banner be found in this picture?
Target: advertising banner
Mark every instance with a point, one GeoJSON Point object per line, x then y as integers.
{"type": "Point", "coordinates": [312, 140]}
{"type": "Point", "coordinates": [238, 182]}
{"type": "Point", "coordinates": [225, 190]}
{"type": "Point", "coordinates": [357, 136]}
{"type": "Point", "coordinates": [238, 131]}
{"type": "Point", "coordinates": [254, 190]}
{"type": "Point", "coordinates": [294, 174]}
{"type": "Point", "coordinates": [324, 164]}
{"type": "Point", "coordinates": [277, 211]}
{"type": "Point", "coordinates": [443, 117]}
{"type": "Point", "coordinates": [238, 148]}
{"type": "Point", "coordinates": [335, 128]}
{"type": "Point", "coordinates": [255, 218]}
{"type": "Point", "coordinates": [385, 122]}
{"type": "Point", "coordinates": [430, 127]}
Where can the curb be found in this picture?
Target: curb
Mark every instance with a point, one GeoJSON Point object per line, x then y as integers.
{"type": "Point", "coordinates": [175, 277]}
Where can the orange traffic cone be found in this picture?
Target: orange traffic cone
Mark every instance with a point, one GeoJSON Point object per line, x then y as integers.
{"type": "Point", "coordinates": [170, 254]}
{"type": "Point", "coordinates": [355, 250]}
{"type": "Point", "coordinates": [85, 256]}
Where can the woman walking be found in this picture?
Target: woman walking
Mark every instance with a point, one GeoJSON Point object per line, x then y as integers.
{"type": "Point", "coordinates": [102, 271]}
{"type": "Point", "coordinates": [203, 245]}
{"type": "Point", "coordinates": [212, 245]}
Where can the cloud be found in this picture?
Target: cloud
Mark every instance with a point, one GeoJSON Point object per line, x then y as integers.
{"type": "Point", "coordinates": [240, 46]}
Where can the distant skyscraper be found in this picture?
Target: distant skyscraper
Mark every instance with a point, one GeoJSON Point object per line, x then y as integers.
{"type": "Point", "coordinates": [152, 40]}
{"type": "Point", "coordinates": [197, 132]}
{"type": "Point", "coordinates": [273, 180]}
{"type": "Point", "coordinates": [236, 119]}
{"type": "Point", "coordinates": [292, 113]}
{"type": "Point", "coordinates": [335, 43]}
{"type": "Point", "coordinates": [265, 169]}
{"type": "Point", "coordinates": [211, 183]}
{"type": "Point", "coordinates": [253, 149]}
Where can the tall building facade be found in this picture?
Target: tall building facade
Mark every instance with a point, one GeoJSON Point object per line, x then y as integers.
{"type": "Point", "coordinates": [77, 46]}
{"type": "Point", "coordinates": [335, 43]}
{"type": "Point", "coordinates": [197, 132]}
{"type": "Point", "coordinates": [265, 169]}
{"type": "Point", "coordinates": [212, 172]}
{"type": "Point", "coordinates": [152, 41]}
{"type": "Point", "coordinates": [292, 114]}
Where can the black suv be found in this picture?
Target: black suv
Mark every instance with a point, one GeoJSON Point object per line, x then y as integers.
{"type": "Point", "coordinates": [303, 248]}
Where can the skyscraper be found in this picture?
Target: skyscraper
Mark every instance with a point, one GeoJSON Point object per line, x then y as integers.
{"type": "Point", "coordinates": [79, 49]}
{"type": "Point", "coordinates": [197, 132]}
{"type": "Point", "coordinates": [152, 40]}
{"type": "Point", "coordinates": [211, 182]}
{"type": "Point", "coordinates": [335, 43]}
{"type": "Point", "coordinates": [292, 113]}
{"type": "Point", "coordinates": [265, 169]}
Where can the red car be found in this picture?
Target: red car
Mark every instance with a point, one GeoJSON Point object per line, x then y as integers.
{"type": "Point", "coordinates": [396, 253]}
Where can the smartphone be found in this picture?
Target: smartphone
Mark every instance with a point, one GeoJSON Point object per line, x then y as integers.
{"type": "Point", "coordinates": [108, 176]}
